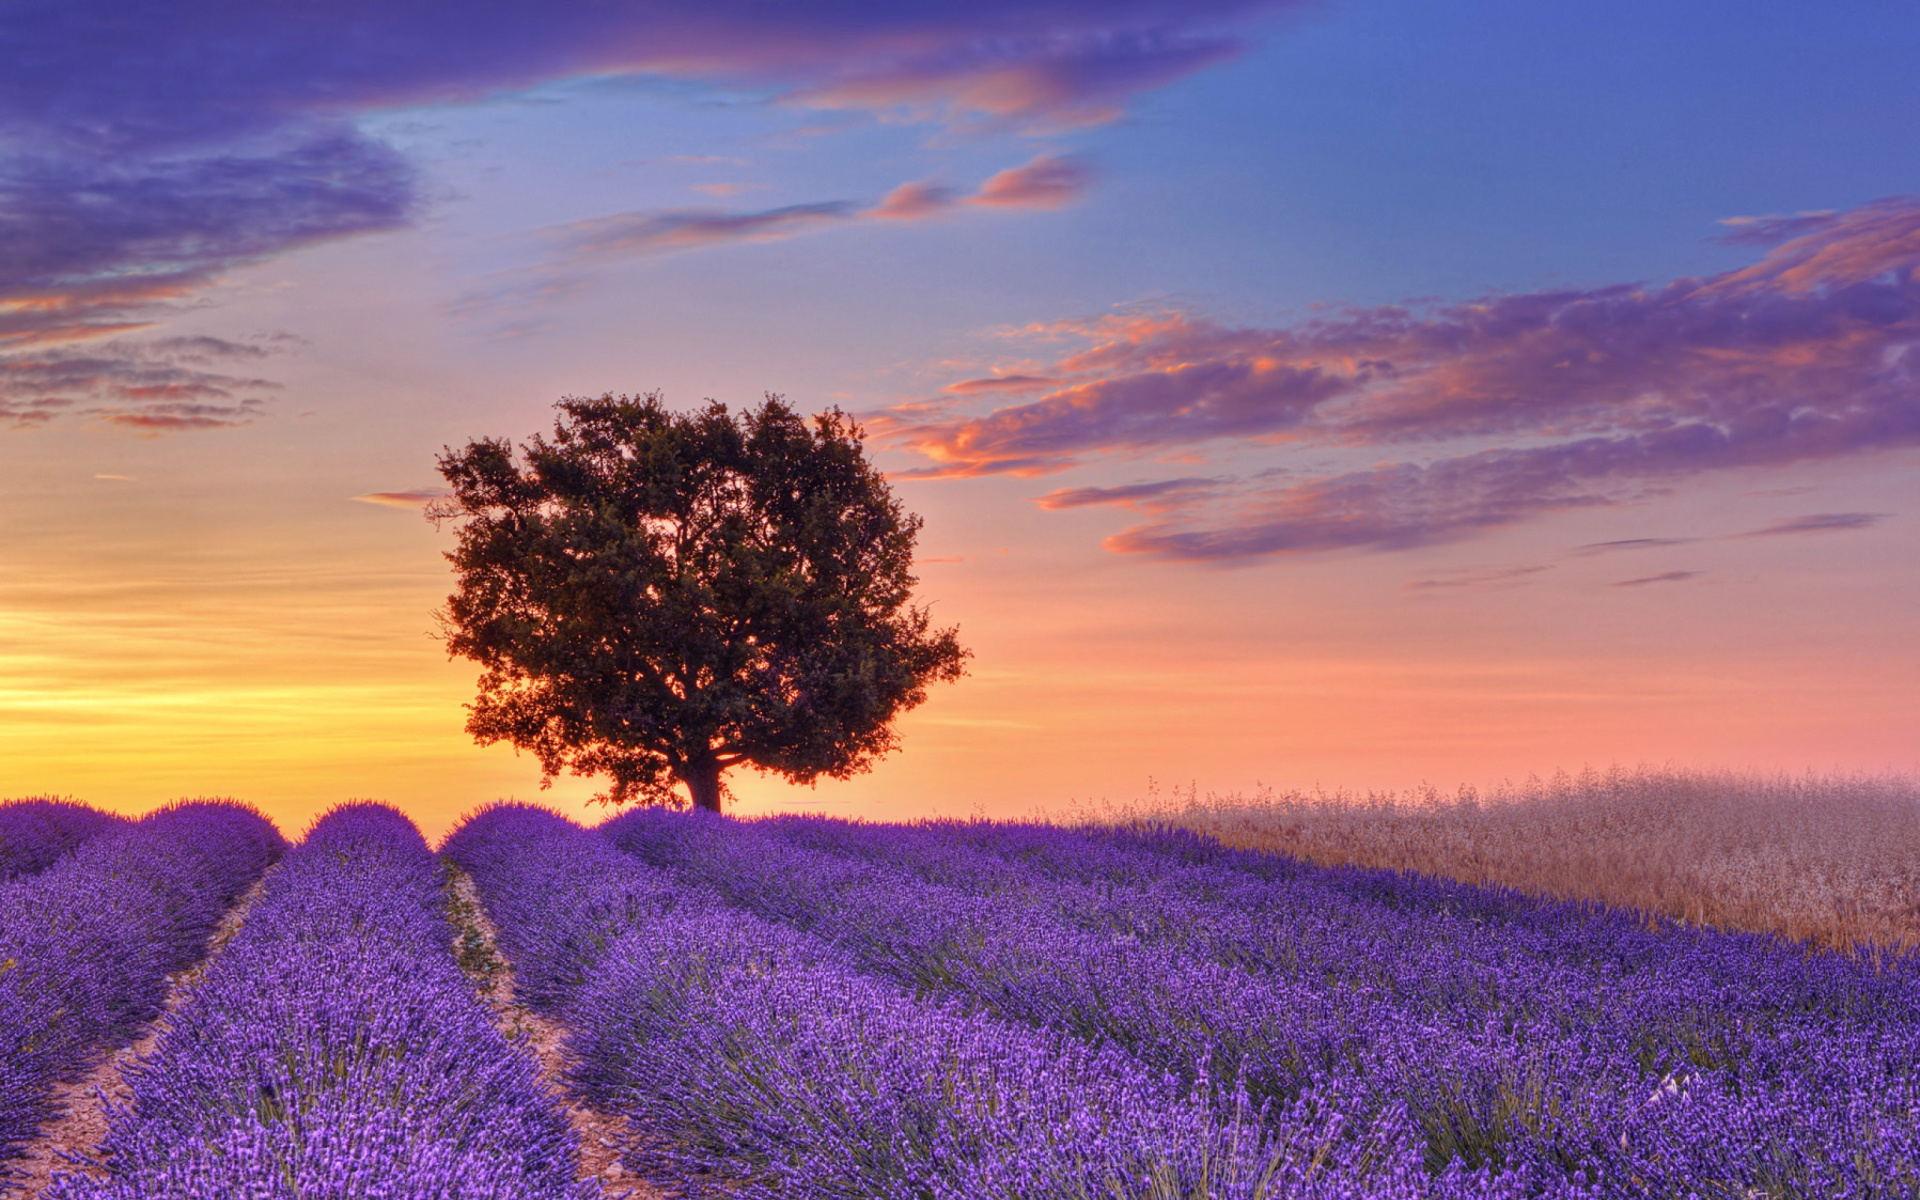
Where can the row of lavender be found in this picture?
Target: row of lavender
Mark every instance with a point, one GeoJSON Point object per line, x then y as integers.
{"type": "Point", "coordinates": [1553, 1046]}
{"type": "Point", "coordinates": [334, 1049]}
{"type": "Point", "coordinates": [100, 911]}
{"type": "Point", "coordinates": [35, 834]}
{"type": "Point", "coordinates": [768, 1062]}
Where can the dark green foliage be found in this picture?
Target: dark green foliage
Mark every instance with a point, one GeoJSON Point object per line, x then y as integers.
{"type": "Point", "coordinates": [657, 596]}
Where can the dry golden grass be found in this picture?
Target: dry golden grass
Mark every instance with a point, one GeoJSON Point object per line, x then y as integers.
{"type": "Point", "coordinates": [1834, 860]}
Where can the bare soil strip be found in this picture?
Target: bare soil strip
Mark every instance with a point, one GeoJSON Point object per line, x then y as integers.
{"type": "Point", "coordinates": [76, 1133]}
{"type": "Point", "coordinates": [604, 1138]}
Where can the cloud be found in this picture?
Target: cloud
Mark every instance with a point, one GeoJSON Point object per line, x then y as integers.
{"type": "Point", "coordinates": [632, 235]}
{"type": "Point", "coordinates": [1001, 383]}
{"type": "Point", "coordinates": [176, 416]}
{"type": "Point", "coordinates": [1814, 523]}
{"type": "Point", "coordinates": [1632, 544]}
{"type": "Point", "coordinates": [578, 249]}
{"type": "Point", "coordinates": [113, 79]}
{"type": "Point", "coordinates": [1040, 83]}
{"type": "Point", "coordinates": [1164, 495]}
{"type": "Point", "coordinates": [1581, 397]}
{"type": "Point", "coordinates": [1049, 181]}
{"type": "Point", "coordinates": [724, 190]}
{"type": "Point", "coordinates": [93, 247]}
{"type": "Point", "coordinates": [1663, 577]}
{"type": "Point", "coordinates": [1817, 523]}
{"type": "Point", "coordinates": [914, 201]}
{"type": "Point", "coordinates": [150, 149]}
{"type": "Point", "coordinates": [1775, 228]}
{"type": "Point", "coordinates": [1046, 182]}
{"type": "Point", "coordinates": [413, 498]}
{"type": "Point", "coordinates": [1477, 580]}
{"type": "Point", "coordinates": [155, 385]}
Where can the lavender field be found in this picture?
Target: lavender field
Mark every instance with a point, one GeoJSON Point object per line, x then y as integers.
{"type": "Point", "coordinates": [805, 1008]}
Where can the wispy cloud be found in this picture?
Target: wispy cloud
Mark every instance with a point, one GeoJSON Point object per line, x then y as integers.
{"type": "Point", "coordinates": [637, 234]}
{"type": "Point", "coordinates": [1817, 523]}
{"type": "Point", "coordinates": [1166, 495]}
{"type": "Point", "coordinates": [1475, 579]}
{"type": "Point", "coordinates": [1049, 181]}
{"type": "Point", "coordinates": [1787, 527]}
{"type": "Point", "coordinates": [702, 160]}
{"type": "Point", "coordinates": [724, 190]}
{"type": "Point", "coordinates": [412, 498]}
{"type": "Point", "coordinates": [577, 250]}
{"type": "Point", "coordinates": [1645, 543]}
{"type": "Point", "coordinates": [153, 385]}
{"type": "Point", "coordinates": [1001, 383]}
{"type": "Point", "coordinates": [1663, 577]}
{"type": "Point", "coordinates": [1583, 397]}
{"type": "Point", "coordinates": [914, 201]}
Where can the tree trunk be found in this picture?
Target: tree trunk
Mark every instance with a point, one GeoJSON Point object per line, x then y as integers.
{"type": "Point", "coordinates": [702, 777]}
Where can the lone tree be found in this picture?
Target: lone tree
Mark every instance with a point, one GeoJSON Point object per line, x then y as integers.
{"type": "Point", "coordinates": [658, 596]}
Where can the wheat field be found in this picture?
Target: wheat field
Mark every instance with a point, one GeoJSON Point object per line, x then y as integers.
{"type": "Point", "coordinates": [1829, 859]}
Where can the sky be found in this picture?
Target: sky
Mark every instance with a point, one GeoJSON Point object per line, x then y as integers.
{"type": "Point", "coordinates": [1356, 395]}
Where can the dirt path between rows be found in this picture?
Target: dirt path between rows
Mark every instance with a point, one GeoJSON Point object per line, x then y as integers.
{"type": "Point", "coordinates": [603, 1138]}
{"type": "Point", "coordinates": [81, 1124]}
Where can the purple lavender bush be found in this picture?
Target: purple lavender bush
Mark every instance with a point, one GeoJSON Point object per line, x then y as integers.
{"type": "Point", "coordinates": [334, 1050]}
{"type": "Point", "coordinates": [86, 945]}
{"type": "Point", "coordinates": [772, 1066]}
{"type": "Point", "coordinates": [1549, 1041]}
{"type": "Point", "coordinates": [35, 833]}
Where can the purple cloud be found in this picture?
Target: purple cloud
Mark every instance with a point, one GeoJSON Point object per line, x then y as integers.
{"type": "Point", "coordinates": [92, 247]}
{"type": "Point", "coordinates": [150, 148]}
{"type": "Point", "coordinates": [1775, 228]}
{"type": "Point", "coordinates": [1663, 577]}
{"type": "Point", "coordinates": [1048, 181]}
{"type": "Point", "coordinates": [576, 250]}
{"type": "Point", "coordinates": [629, 235]}
{"type": "Point", "coordinates": [111, 77]}
{"type": "Point", "coordinates": [1818, 523]}
{"type": "Point", "coordinates": [1632, 544]}
{"type": "Point", "coordinates": [1477, 580]}
{"type": "Point", "coordinates": [1001, 383]}
{"type": "Point", "coordinates": [1166, 495]}
{"type": "Point", "coordinates": [1813, 352]}
{"type": "Point", "coordinates": [153, 385]}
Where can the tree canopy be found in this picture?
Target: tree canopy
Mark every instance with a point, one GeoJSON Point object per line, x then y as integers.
{"type": "Point", "coordinates": [657, 596]}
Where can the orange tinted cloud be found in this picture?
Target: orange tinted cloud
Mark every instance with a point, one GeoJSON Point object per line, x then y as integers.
{"type": "Point", "coordinates": [1048, 181]}
{"type": "Point", "coordinates": [412, 498]}
{"type": "Point", "coordinates": [913, 201]}
{"type": "Point", "coordinates": [156, 385]}
{"type": "Point", "coordinates": [1001, 383]}
{"type": "Point", "coordinates": [1811, 353]}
